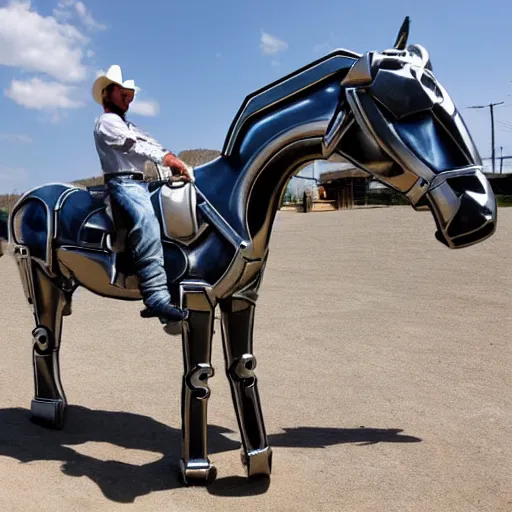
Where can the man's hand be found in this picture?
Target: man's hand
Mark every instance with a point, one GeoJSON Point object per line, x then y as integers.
{"type": "Point", "coordinates": [175, 164]}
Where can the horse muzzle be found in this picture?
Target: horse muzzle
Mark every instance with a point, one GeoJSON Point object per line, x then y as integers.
{"type": "Point", "coordinates": [464, 207]}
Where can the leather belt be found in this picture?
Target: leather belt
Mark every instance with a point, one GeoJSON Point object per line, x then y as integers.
{"type": "Point", "coordinates": [137, 176]}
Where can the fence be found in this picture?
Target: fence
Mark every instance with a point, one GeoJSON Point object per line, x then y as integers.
{"type": "Point", "coordinates": [502, 164]}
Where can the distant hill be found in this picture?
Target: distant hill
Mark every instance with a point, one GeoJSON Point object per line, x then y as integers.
{"type": "Point", "coordinates": [193, 157]}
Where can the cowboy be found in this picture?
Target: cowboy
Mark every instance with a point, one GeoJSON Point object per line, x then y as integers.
{"type": "Point", "coordinates": [123, 150]}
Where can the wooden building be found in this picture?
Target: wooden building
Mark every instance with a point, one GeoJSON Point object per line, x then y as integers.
{"type": "Point", "coordinates": [346, 185]}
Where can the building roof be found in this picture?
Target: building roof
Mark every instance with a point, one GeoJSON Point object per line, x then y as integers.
{"type": "Point", "coordinates": [340, 171]}
{"type": "Point", "coordinates": [497, 176]}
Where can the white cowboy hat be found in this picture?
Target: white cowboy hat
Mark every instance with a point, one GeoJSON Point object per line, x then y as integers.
{"type": "Point", "coordinates": [113, 75]}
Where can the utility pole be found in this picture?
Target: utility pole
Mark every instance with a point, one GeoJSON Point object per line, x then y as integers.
{"type": "Point", "coordinates": [501, 159]}
{"type": "Point", "coordinates": [491, 106]}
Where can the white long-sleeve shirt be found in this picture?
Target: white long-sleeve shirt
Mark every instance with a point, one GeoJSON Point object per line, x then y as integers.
{"type": "Point", "coordinates": [123, 147]}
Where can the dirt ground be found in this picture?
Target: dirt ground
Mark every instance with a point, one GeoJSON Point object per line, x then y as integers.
{"type": "Point", "coordinates": [384, 364]}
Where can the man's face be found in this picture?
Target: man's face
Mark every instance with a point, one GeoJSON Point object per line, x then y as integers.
{"type": "Point", "coordinates": [121, 97]}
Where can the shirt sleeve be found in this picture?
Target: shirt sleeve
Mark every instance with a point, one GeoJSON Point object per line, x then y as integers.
{"type": "Point", "coordinates": [116, 134]}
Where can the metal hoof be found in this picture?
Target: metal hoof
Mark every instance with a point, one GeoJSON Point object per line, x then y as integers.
{"type": "Point", "coordinates": [50, 413]}
{"type": "Point", "coordinates": [257, 462]}
{"type": "Point", "coordinates": [198, 472]}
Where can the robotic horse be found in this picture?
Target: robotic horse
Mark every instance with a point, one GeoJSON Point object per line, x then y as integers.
{"type": "Point", "coordinates": [383, 111]}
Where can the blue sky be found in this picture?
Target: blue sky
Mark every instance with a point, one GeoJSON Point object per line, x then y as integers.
{"type": "Point", "coordinates": [196, 61]}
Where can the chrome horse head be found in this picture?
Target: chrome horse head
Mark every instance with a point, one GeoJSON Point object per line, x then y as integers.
{"type": "Point", "coordinates": [396, 121]}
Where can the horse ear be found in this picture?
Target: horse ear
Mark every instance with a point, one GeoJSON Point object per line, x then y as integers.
{"type": "Point", "coordinates": [403, 35]}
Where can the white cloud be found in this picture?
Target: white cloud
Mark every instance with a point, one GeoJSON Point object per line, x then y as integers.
{"type": "Point", "coordinates": [68, 9]}
{"type": "Point", "coordinates": [271, 45]}
{"type": "Point", "coordinates": [144, 108]}
{"type": "Point", "coordinates": [62, 12]}
{"type": "Point", "coordinates": [218, 55]}
{"type": "Point", "coordinates": [55, 52]}
{"type": "Point", "coordinates": [16, 138]}
{"type": "Point", "coordinates": [41, 44]}
{"type": "Point", "coordinates": [42, 95]}
{"type": "Point", "coordinates": [87, 18]}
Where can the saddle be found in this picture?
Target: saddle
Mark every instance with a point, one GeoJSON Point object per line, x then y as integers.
{"type": "Point", "coordinates": [175, 204]}
{"type": "Point", "coordinates": [89, 220]}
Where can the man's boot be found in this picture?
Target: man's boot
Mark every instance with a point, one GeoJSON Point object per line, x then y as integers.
{"type": "Point", "coordinates": [166, 312]}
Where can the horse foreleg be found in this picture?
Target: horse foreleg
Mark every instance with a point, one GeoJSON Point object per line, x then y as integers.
{"type": "Point", "coordinates": [197, 346]}
{"type": "Point", "coordinates": [48, 302]}
{"type": "Point", "coordinates": [237, 334]}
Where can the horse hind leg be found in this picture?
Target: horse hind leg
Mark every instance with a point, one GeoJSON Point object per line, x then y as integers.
{"type": "Point", "coordinates": [237, 332]}
{"type": "Point", "coordinates": [49, 302]}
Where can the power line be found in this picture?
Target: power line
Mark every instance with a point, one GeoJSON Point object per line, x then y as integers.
{"type": "Point", "coordinates": [506, 126]}
{"type": "Point", "coordinates": [491, 106]}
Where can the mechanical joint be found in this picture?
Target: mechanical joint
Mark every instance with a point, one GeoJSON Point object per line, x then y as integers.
{"type": "Point", "coordinates": [197, 378]}
{"type": "Point", "coordinates": [43, 339]}
{"type": "Point", "coordinates": [242, 369]}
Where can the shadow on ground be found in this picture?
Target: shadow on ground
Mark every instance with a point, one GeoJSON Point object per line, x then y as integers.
{"type": "Point", "coordinates": [22, 440]}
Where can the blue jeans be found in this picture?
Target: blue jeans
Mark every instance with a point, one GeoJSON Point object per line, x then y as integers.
{"type": "Point", "coordinates": [143, 238]}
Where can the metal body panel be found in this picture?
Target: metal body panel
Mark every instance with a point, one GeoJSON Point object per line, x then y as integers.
{"type": "Point", "coordinates": [94, 270]}
{"type": "Point", "coordinates": [32, 221]}
{"type": "Point", "coordinates": [286, 88]}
